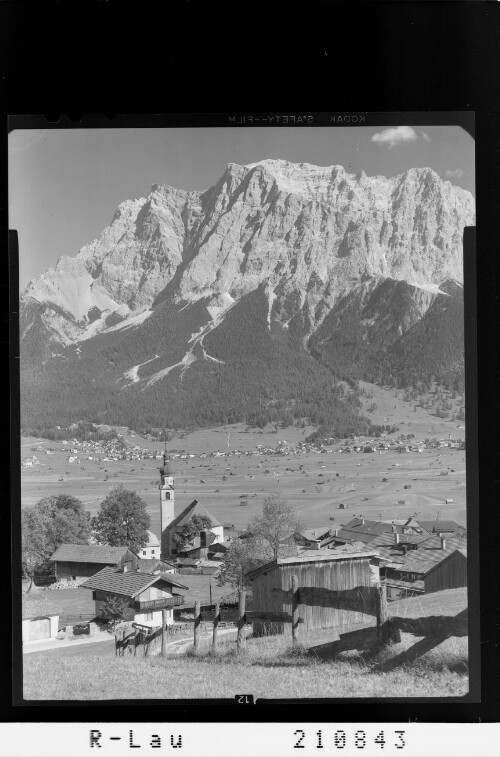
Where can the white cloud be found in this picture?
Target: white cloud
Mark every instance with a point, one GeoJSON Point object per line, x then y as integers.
{"type": "Point", "coordinates": [425, 136]}
{"type": "Point", "coordinates": [395, 136]}
{"type": "Point", "coordinates": [456, 174]}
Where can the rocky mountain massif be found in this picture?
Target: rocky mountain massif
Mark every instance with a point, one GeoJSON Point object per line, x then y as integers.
{"type": "Point", "coordinates": [250, 298]}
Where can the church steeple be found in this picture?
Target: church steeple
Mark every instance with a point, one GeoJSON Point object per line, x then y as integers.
{"type": "Point", "coordinates": [167, 512]}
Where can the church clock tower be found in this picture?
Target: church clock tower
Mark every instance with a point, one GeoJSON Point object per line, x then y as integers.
{"type": "Point", "coordinates": [167, 514]}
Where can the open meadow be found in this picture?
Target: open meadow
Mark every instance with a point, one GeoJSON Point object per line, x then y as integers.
{"type": "Point", "coordinates": [270, 666]}
{"type": "Point", "coordinates": [233, 487]}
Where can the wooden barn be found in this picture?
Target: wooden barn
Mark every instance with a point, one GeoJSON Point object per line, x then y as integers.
{"type": "Point", "coordinates": [77, 562]}
{"type": "Point", "coordinates": [335, 570]}
{"type": "Point", "coordinates": [427, 563]}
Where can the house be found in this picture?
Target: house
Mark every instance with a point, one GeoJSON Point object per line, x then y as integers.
{"type": "Point", "coordinates": [339, 569]}
{"type": "Point", "coordinates": [437, 526]}
{"type": "Point", "coordinates": [146, 594]}
{"type": "Point", "coordinates": [77, 562]}
{"type": "Point", "coordinates": [312, 538]}
{"type": "Point", "coordinates": [421, 563]}
{"type": "Point", "coordinates": [361, 529]}
{"type": "Point", "coordinates": [151, 550]}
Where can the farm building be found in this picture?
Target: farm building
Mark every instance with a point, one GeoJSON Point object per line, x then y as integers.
{"type": "Point", "coordinates": [417, 564]}
{"type": "Point", "coordinates": [76, 562]}
{"type": "Point", "coordinates": [147, 594]}
{"type": "Point", "coordinates": [337, 570]}
{"type": "Point", "coordinates": [438, 526]}
{"type": "Point", "coordinates": [363, 530]}
{"type": "Point", "coordinates": [313, 538]}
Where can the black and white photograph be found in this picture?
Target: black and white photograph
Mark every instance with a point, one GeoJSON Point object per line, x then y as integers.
{"type": "Point", "coordinates": [243, 409]}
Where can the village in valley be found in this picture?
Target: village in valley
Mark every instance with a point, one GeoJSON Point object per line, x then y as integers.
{"type": "Point", "coordinates": [364, 515]}
{"type": "Point", "coordinates": [243, 414]}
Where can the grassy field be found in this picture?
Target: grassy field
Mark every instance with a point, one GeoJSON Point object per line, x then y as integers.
{"type": "Point", "coordinates": [268, 668]}
{"type": "Point", "coordinates": [59, 602]}
{"type": "Point", "coordinates": [325, 481]}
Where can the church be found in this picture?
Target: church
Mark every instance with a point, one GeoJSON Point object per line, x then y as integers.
{"type": "Point", "coordinates": [170, 522]}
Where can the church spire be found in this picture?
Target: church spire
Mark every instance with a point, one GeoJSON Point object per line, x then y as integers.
{"type": "Point", "coordinates": [167, 512]}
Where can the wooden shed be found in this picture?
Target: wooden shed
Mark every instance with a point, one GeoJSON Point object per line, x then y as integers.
{"type": "Point", "coordinates": [337, 571]}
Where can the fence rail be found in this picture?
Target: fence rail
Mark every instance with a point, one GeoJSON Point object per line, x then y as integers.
{"type": "Point", "coordinates": [370, 600]}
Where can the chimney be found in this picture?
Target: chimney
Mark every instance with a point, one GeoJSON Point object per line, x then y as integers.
{"type": "Point", "coordinates": [335, 532]}
{"type": "Point", "coordinates": [393, 528]}
{"type": "Point", "coordinates": [396, 536]}
{"type": "Point", "coordinates": [316, 545]}
{"type": "Point", "coordinates": [443, 542]}
{"type": "Point", "coordinates": [362, 520]}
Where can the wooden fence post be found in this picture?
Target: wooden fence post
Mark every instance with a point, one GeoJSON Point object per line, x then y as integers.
{"type": "Point", "coordinates": [241, 618]}
{"type": "Point", "coordinates": [163, 631]}
{"type": "Point", "coordinates": [118, 639]}
{"type": "Point", "coordinates": [381, 609]}
{"type": "Point", "coordinates": [216, 625]}
{"type": "Point", "coordinates": [295, 608]}
{"type": "Point", "coordinates": [197, 621]}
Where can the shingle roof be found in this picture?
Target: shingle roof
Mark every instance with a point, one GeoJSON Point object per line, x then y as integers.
{"type": "Point", "coordinates": [92, 553]}
{"type": "Point", "coordinates": [149, 565]}
{"type": "Point", "coordinates": [430, 554]}
{"type": "Point", "coordinates": [344, 552]}
{"type": "Point", "coordinates": [421, 560]}
{"type": "Point", "coordinates": [127, 584]}
{"type": "Point", "coordinates": [193, 509]}
{"type": "Point", "coordinates": [373, 527]}
{"type": "Point", "coordinates": [315, 534]}
{"type": "Point", "coordinates": [435, 526]}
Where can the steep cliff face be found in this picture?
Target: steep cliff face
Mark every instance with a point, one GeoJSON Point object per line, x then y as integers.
{"type": "Point", "coordinates": [310, 232]}
{"type": "Point", "coordinates": [337, 265]}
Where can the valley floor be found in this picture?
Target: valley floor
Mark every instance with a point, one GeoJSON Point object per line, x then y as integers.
{"type": "Point", "coordinates": [222, 483]}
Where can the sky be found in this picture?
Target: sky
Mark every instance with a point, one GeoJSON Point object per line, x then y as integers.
{"type": "Point", "coordinates": [65, 184]}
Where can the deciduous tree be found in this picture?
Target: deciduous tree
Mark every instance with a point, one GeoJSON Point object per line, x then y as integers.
{"type": "Point", "coordinates": [123, 520]}
{"type": "Point", "coordinates": [53, 521]}
{"type": "Point", "coordinates": [277, 525]}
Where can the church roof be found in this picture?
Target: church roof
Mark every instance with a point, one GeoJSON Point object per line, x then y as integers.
{"type": "Point", "coordinates": [152, 540]}
{"type": "Point", "coordinates": [193, 509]}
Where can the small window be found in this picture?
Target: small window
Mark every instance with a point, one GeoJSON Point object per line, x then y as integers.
{"type": "Point", "coordinates": [73, 578]}
{"type": "Point", "coordinates": [143, 551]}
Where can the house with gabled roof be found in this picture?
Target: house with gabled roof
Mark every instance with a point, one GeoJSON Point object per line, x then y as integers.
{"type": "Point", "coordinates": [364, 530]}
{"type": "Point", "coordinates": [437, 526]}
{"type": "Point", "coordinates": [146, 594]}
{"type": "Point", "coordinates": [77, 562]}
{"type": "Point", "coordinates": [314, 538]}
{"type": "Point", "coordinates": [421, 563]}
